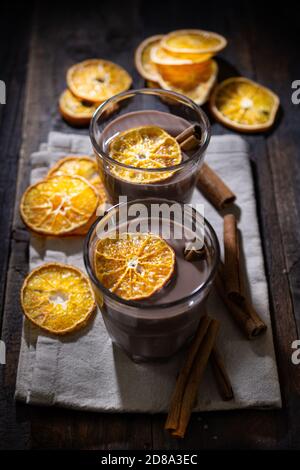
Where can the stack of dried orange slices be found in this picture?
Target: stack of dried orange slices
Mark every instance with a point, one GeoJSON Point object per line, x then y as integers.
{"type": "Point", "coordinates": [181, 61]}
{"type": "Point", "coordinates": [66, 201]}
{"type": "Point", "coordinates": [90, 83]}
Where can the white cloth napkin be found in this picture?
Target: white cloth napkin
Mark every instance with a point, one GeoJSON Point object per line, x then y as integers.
{"type": "Point", "coordinates": [86, 371]}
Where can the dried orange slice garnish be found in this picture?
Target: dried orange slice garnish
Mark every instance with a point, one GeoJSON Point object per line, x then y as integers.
{"type": "Point", "coordinates": [187, 43]}
{"type": "Point", "coordinates": [58, 205]}
{"type": "Point", "coordinates": [199, 93]}
{"type": "Point", "coordinates": [81, 166]}
{"type": "Point", "coordinates": [75, 111]}
{"type": "Point", "coordinates": [134, 265]}
{"type": "Point", "coordinates": [96, 80]}
{"type": "Point", "coordinates": [144, 147]}
{"type": "Point", "coordinates": [142, 58]}
{"type": "Point", "coordinates": [244, 105]}
{"type": "Point", "coordinates": [58, 298]}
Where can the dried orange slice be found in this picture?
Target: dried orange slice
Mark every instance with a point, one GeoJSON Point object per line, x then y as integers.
{"type": "Point", "coordinates": [96, 80]}
{"type": "Point", "coordinates": [58, 298]}
{"type": "Point", "coordinates": [134, 265]}
{"type": "Point", "coordinates": [81, 166]}
{"type": "Point", "coordinates": [75, 111]}
{"type": "Point", "coordinates": [58, 205]}
{"type": "Point", "coordinates": [85, 167]}
{"type": "Point", "coordinates": [201, 91]}
{"type": "Point", "coordinates": [186, 43]}
{"type": "Point", "coordinates": [199, 94]}
{"type": "Point", "coordinates": [185, 73]}
{"type": "Point", "coordinates": [244, 105]}
{"type": "Point", "coordinates": [144, 147]}
{"type": "Point", "coordinates": [142, 58]}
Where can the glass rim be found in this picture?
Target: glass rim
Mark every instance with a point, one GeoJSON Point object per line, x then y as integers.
{"type": "Point", "coordinates": [136, 303]}
{"type": "Point", "coordinates": [150, 91]}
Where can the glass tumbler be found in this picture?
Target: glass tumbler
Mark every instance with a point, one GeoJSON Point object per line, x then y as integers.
{"type": "Point", "coordinates": [157, 327]}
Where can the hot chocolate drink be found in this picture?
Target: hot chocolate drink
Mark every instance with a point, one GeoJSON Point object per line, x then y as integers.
{"type": "Point", "coordinates": [179, 186]}
{"type": "Point", "coordinates": [156, 327]}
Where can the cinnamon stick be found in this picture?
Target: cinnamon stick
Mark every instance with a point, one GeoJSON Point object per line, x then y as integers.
{"type": "Point", "coordinates": [234, 279]}
{"type": "Point", "coordinates": [209, 183]}
{"type": "Point", "coordinates": [195, 377]}
{"type": "Point", "coordinates": [242, 311]}
{"type": "Point", "coordinates": [194, 130]}
{"type": "Point", "coordinates": [177, 397]}
{"type": "Point", "coordinates": [190, 143]}
{"type": "Point", "coordinates": [190, 376]}
{"type": "Point", "coordinates": [221, 375]}
{"type": "Point", "coordinates": [214, 188]}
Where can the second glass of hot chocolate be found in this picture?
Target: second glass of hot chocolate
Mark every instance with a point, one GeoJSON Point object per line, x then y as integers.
{"type": "Point", "coordinates": [134, 138]}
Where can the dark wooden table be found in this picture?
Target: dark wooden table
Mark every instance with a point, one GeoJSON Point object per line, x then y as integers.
{"type": "Point", "coordinates": [37, 47]}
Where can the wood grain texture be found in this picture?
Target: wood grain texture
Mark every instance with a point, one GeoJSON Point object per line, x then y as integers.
{"type": "Point", "coordinates": [58, 39]}
{"type": "Point", "coordinates": [13, 60]}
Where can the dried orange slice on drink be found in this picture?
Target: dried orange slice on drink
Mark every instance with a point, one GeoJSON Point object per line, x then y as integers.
{"type": "Point", "coordinates": [189, 43]}
{"type": "Point", "coordinates": [58, 205]}
{"type": "Point", "coordinates": [185, 73]}
{"type": "Point", "coordinates": [144, 147]}
{"type": "Point", "coordinates": [58, 298]}
{"type": "Point", "coordinates": [96, 80]}
{"type": "Point", "coordinates": [142, 58]}
{"type": "Point", "coordinates": [81, 166]}
{"type": "Point", "coordinates": [76, 111]}
{"type": "Point", "coordinates": [198, 93]}
{"type": "Point", "coordinates": [134, 265]}
{"type": "Point", "coordinates": [244, 105]}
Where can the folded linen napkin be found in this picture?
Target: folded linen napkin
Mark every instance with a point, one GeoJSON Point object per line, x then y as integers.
{"type": "Point", "coordinates": [86, 371]}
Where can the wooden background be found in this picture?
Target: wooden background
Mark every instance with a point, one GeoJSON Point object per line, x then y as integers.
{"type": "Point", "coordinates": [37, 47]}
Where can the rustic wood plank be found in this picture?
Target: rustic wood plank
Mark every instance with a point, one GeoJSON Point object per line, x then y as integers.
{"type": "Point", "coordinates": [280, 204]}
{"type": "Point", "coordinates": [13, 60]}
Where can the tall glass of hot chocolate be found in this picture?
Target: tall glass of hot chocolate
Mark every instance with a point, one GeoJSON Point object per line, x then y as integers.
{"type": "Point", "coordinates": [152, 263]}
{"type": "Point", "coordinates": [134, 138]}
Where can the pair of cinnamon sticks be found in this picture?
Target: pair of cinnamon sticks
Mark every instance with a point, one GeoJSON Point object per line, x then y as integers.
{"type": "Point", "coordinates": [209, 183]}
{"type": "Point", "coordinates": [231, 285]}
{"type": "Point", "coordinates": [201, 350]}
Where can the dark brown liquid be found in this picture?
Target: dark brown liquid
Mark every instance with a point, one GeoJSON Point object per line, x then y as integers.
{"type": "Point", "coordinates": [179, 187]}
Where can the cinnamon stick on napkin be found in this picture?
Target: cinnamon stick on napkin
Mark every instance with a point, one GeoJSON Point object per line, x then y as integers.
{"type": "Point", "coordinates": [209, 183]}
{"type": "Point", "coordinates": [190, 376]}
